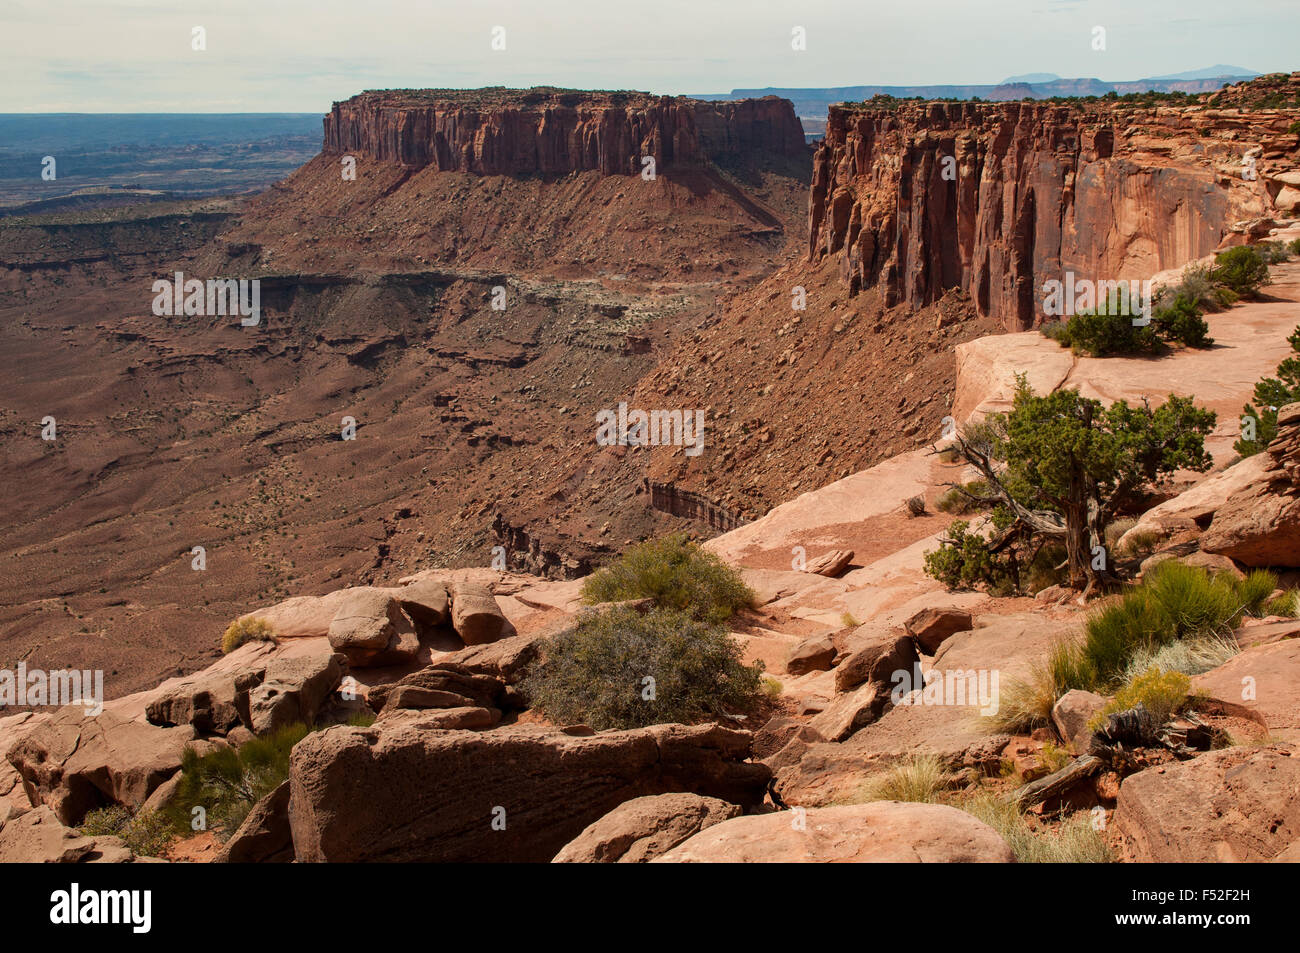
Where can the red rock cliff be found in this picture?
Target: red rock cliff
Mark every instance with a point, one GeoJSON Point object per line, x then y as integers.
{"type": "Point", "coordinates": [549, 131]}
{"type": "Point", "coordinates": [996, 198]}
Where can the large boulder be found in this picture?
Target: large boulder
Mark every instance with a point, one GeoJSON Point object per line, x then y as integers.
{"type": "Point", "coordinates": [811, 655]}
{"type": "Point", "coordinates": [264, 837]}
{"type": "Point", "coordinates": [875, 655]}
{"type": "Point", "coordinates": [1261, 683]}
{"type": "Point", "coordinates": [455, 683]}
{"type": "Point", "coordinates": [38, 837]}
{"type": "Point", "coordinates": [475, 615]}
{"type": "Point", "coordinates": [1236, 804]}
{"type": "Point", "coordinates": [878, 832]}
{"type": "Point", "coordinates": [851, 710]}
{"type": "Point", "coordinates": [643, 828]}
{"type": "Point", "coordinates": [294, 689]}
{"type": "Point", "coordinates": [1259, 524]}
{"type": "Point", "coordinates": [426, 602]}
{"type": "Point", "coordinates": [1071, 715]}
{"type": "Point", "coordinates": [74, 763]}
{"type": "Point", "coordinates": [400, 792]}
{"type": "Point", "coordinates": [930, 627]}
{"type": "Point", "coordinates": [371, 629]}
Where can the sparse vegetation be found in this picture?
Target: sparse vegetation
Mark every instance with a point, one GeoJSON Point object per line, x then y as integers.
{"type": "Point", "coordinates": [146, 834]}
{"type": "Point", "coordinates": [920, 778]}
{"type": "Point", "coordinates": [596, 673]}
{"type": "Point", "coordinates": [1271, 394]}
{"type": "Point", "coordinates": [1074, 842]}
{"type": "Point", "coordinates": [1105, 331]}
{"type": "Point", "coordinates": [246, 630]}
{"type": "Point", "coordinates": [1175, 602]}
{"type": "Point", "coordinates": [1243, 270]}
{"type": "Point", "coordinates": [1160, 693]}
{"type": "Point", "coordinates": [227, 782]}
{"type": "Point", "coordinates": [677, 574]}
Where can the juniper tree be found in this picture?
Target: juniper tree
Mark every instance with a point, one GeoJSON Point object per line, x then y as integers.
{"type": "Point", "coordinates": [1061, 466]}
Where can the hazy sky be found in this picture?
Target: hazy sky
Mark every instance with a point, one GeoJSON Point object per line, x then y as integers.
{"type": "Point", "coordinates": [298, 56]}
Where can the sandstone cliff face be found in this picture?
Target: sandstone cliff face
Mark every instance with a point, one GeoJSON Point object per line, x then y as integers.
{"type": "Point", "coordinates": [995, 198]}
{"type": "Point", "coordinates": [555, 132]}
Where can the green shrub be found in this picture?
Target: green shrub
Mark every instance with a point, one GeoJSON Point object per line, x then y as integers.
{"type": "Point", "coordinates": [1293, 246]}
{"type": "Point", "coordinates": [1179, 320]}
{"type": "Point", "coordinates": [955, 501]}
{"type": "Point", "coordinates": [1160, 693]}
{"type": "Point", "coordinates": [1195, 285]}
{"type": "Point", "coordinates": [962, 561]}
{"type": "Point", "coordinates": [1242, 270]}
{"type": "Point", "coordinates": [1054, 758]}
{"type": "Point", "coordinates": [1275, 253]}
{"type": "Point", "coordinates": [596, 673]}
{"type": "Point", "coordinates": [677, 574]}
{"type": "Point", "coordinates": [146, 834]}
{"type": "Point", "coordinates": [921, 778]}
{"type": "Point", "coordinates": [227, 782]}
{"type": "Point", "coordinates": [246, 630]}
{"type": "Point", "coordinates": [1284, 605]}
{"type": "Point", "coordinates": [1105, 332]}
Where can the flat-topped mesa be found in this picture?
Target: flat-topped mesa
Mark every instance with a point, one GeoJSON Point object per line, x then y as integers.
{"type": "Point", "coordinates": [995, 198]}
{"type": "Point", "coordinates": [554, 131]}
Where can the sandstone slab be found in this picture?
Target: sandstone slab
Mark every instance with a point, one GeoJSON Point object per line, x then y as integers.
{"type": "Point", "coordinates": [639, 830]}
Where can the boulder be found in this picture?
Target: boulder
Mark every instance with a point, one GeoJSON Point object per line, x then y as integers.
{"type": "Point", "coordinates": [776, 734]}
{"type": "Point", "coordinates": [475, 615]}
{"type": "Point", "coordinates": [38, 837]}
{"type": "Point", "coordinates": [876, 655]}
{"type": "Point", "coordinates": [516, 793]}
{"type": "Point", "coordinates": [811, 655]}
{"type": "Point", "coordinates": [849, 711]}
{"type": "Point", "coordinates": [1259, 524]}
{"type": "Point", "coordinates": [371, 629]}
{"type": "Point", "coordinates": [448, 678]}
{"type": "Point", "coordinates": [1071, 715]}
{"type": "Point", "coordinates": [643, 828]}
{"type": "Point", "coordinates": [506, 658]}
{"type": "Point", "coordinates": [413, 696]}
{"type": "Point", "coordinates": [1192, 510]}
{"type": "Point", "coordinates": [294, 690]}
{"type": "Point", "coordinates": [74, 763]}
{"type": "Point", "coordinates": [264, 837]}
{"type": "Point", "coordinates": [445, 719]}
{"type": "Point", "coordinates": [1235, 804]}
{"type": "Point", "coordinates": [1261, 683]}
{"type": "Point", "coordinates": [878, 832]}
{"type": "Point", "coordinates": [208, 704]}
{"type": "Point", "coordinates": [930, 627]}
{"type": "Point", "coordinates": [425, 602]}
{"type": "Point", "coordinates": [830, 564]}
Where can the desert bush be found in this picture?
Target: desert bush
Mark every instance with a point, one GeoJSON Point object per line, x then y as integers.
{"type": "Point", "coordinates": [920, 778]}
{"type": "Point", "coordinates": [146, 834]}
{"type": "Point", "coordinates": [1075, 842]}
{"type": "Point", "coordinates": [1243, 270]}
{"type": "Point", "coordinates": [595, 673]}
{"type": "Point", "coordinates": [916, 505]}
{"type": "Point", "coordinates": [1105, 332]}
{"type": "Point", "coordinates": [1160, 693]}
{"type": "Point", "coordinates": [1274, 253]}
{"type": "Point", "coordinates": [227, 782]}
{"type": "Point", "coordinates": [1293, 246]}
{"type": "Point", "coordinates": [1195, 285]}
{"type": "Point", "coordinates": [1026, 703]}
{"type": "Point", "coordinates": [677, 574]}
{"type": "Point", "coordinates": [1285, 605]}
{"type": "Point", "coordinates": [246, 630]}
{"type": "Point", "coordinates": [1180, 320]}
{"type": "Point", "coordinates": [957, 502]}
{"type": "Point", "coordinates": [1189, 656]}
{"type": "Point", "coordinates": [963, 562]}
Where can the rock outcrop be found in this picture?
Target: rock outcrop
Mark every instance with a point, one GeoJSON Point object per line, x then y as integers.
{"type": "Point", "coordinates": [879, 832]}
{"type": "Point", "coordinates": [1233, 805]}
{"type": "Point", "coordinates": [644, 828]}
{"type": "Point", "coordinates": [516, 793]}
{"type": "Point", "coordinates": [1259, 524]}
{"type": "Point", "coordinates": [919, 198]}
{"type": "Point", "coordinates": [556, 131]}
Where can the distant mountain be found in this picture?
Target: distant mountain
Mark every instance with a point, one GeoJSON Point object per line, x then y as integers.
{"type": "Point", "coordinates": [1211, 72]}
{"type": "Point", "coordinates": [811, 103]}
{"type": "Point", "coordinates": [1029, 78]}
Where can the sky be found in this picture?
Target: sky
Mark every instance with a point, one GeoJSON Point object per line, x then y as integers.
{"type": "Point", "coordinates": [298, 56]}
